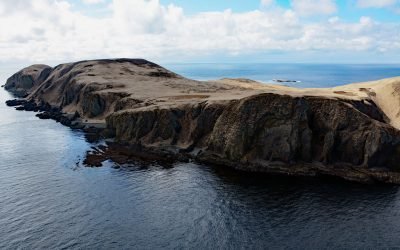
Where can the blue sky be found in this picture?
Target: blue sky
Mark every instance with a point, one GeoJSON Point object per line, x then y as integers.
{"type": "Point", "coordinates": [347, 9]}
{"type": "Point", "coordinates": [353, 31]}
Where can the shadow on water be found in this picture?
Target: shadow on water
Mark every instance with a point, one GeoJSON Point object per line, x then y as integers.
{"type": "Point", "coordinates": [326, 191]}
{"type": "Point", "coordinates": [221, 207]}
{"type": "Point", "coordinates": [313, 212]}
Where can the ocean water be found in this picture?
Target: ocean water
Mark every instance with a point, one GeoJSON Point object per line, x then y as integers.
{"type": "Point", "coordinates": [309, 75]}
{"type": "Point", "coordinates": [49, 201]}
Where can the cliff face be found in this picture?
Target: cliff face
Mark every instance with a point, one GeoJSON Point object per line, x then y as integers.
{"type": "Point", "coordinates": [304, 129]}
{"type": "Point", "coordinates": [184, 127]}
{"type": "Point", "coordinates": [269, 130]}
{"type": "Point", "coordinates": [344, 132]}
{"type": "Point", "coordinates": [24, 81]}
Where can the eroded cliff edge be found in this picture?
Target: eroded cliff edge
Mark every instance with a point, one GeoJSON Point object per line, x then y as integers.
{"type": "Point", "coordinates": [349, 131]}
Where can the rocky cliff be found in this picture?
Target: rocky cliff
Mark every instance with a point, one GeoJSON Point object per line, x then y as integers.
{"type": "Point", "coordinates": [349, 131]}
{"type": "Point", "coordinates": [22, 82]}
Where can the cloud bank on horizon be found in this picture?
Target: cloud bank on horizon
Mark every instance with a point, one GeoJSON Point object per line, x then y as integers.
{"type": "Point", "coordinates": [283, 30]}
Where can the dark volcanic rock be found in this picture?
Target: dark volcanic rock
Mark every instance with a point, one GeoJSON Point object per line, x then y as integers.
{"type": "Point", "coordinates": [15, 102]}
{"type": "Point", "coordinates": [125, 153]}
{"type": "Point", "coordinates": [31, 106]}
{"type": "Point", "coordinates": [45, 115]}
{"type": "Point", "coordinates": [20, 108]}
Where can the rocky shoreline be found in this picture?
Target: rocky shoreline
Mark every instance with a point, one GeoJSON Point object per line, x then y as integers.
{"type": "Point", "coordinates": [121, 154]}
{"type": "Point", "coordinates": [45, 112]}
{"type": "Point", "coordinates": [152, 114]}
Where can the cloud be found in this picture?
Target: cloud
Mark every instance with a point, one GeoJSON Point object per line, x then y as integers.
{"type": "Point", "coordinates": [92, 1]}
{"type": "Point", "coordinates": [312, 7]}
{"type": "Point", "coordinates": [266, 3]}
{"type": "Point", "coordinates": [375, 3]}
{"type": "Point", "coordinates": [144, 16]}
{"type": "Point", "coordinates": [48, 30]}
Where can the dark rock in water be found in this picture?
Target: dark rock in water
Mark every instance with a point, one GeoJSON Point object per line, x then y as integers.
{"type": "Point", "coordinates": [284, 80]}
{"type": "Point", "coordinates": [44, 115]}
{"type": "Point", "coordinates": [57, 116]}
{"type": "Point", "coordinates": [44, 106]}
{"type": "Point", "coordinates": [94, 160]}
{"type": "Point", "coordinates": [23, 105]}
{"type": "Point", "coordinates": [31, 106]}
{"type": "Point", "coordinates": [123, 153]}
{"type": "Point", "coordinates": [65, 121]}
{"type": "Point", "coordinates": [15, 102]}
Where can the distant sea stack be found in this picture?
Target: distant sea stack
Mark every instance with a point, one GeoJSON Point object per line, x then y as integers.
{"type": "Point", "coordinates": [351, 132]}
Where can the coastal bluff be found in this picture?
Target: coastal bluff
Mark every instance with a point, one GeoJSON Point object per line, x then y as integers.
{"type": "Point", "coordinates": [351, 132]}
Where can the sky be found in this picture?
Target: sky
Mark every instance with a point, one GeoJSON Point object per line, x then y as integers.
{"type": "Point", "coordinates": [179, 31]}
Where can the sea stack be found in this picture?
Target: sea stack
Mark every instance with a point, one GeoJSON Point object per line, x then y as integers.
{"type": "Point", "coordinates": [351, 132]}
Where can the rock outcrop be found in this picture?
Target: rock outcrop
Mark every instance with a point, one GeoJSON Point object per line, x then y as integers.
{"type": "Point", "coordinates": [349, 132]}
{"type": "Point", "coordinates": [24, 81]}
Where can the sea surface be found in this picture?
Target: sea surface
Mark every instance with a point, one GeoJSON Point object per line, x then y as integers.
{"type": "Point", "coordinates": [48, 200]}
{"type": "Point", "coordinates": [308, 75]}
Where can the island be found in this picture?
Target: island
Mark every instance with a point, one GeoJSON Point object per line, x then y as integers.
{"type": "Point", "coordinates": [148, 112]}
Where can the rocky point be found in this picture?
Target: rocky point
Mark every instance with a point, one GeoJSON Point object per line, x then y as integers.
{"type": "Point", "coordinates": [151, 113]}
